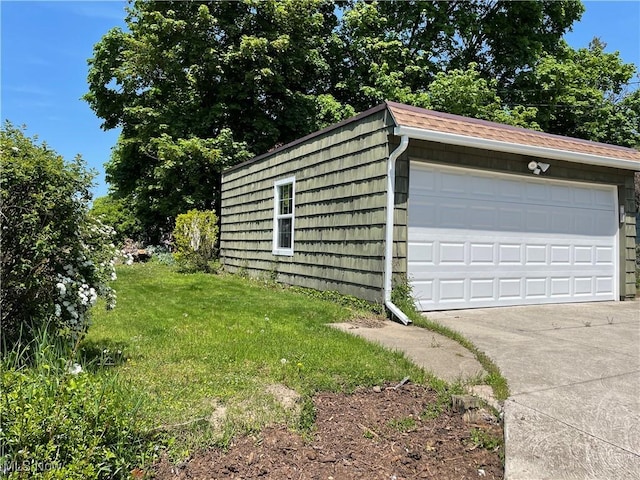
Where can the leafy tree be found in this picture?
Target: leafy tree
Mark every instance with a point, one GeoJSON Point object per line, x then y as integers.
{"type": "Point", "coordinates": [465, 92]}
{"type": "Point", "coordinates": [173, 175]}
{"type": "Point", "coordinates": [584, 93]}
{"type": "Point", "coordinates": [196, 86]}
{"type": "Point", "coordinates": [56, 260]}
{"type": "Point", "coordinates": [119, 215]}
{"type": "Point", "coordinates": [383, 47]}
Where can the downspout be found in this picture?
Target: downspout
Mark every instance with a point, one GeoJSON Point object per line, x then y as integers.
{"type": "Point", "coordinates": [388, 253]}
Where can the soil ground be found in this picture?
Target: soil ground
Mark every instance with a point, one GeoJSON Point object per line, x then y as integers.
{"type": "Point", "coordinates": [381, 433]}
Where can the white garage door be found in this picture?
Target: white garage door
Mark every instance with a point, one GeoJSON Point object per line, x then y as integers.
{"type": "Point", "coordinates": [480, 239]}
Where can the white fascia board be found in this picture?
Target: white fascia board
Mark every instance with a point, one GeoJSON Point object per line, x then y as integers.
{"type": "Point", "coordinates": [534, 151]}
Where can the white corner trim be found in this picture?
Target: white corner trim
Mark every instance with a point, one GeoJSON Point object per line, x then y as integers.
{"type": "Point", "coordinates": [531, 150]}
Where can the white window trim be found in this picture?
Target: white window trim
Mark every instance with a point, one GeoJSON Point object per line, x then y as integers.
{"type": "Point", "coordinates": [277, 216]}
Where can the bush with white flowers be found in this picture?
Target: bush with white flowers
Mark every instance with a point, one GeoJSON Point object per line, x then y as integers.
{"type": "Point", "coordinates": [57, 260]}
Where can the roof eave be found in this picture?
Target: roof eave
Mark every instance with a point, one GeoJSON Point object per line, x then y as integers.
{"type": "Point", "coordinates": [531, 150]}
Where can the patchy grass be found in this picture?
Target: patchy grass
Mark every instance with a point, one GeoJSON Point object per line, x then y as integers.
{"type": "Point", "coordinates": [402, 297]}
{"type": "Point", "coordinates": [494, 376]}
{"type": "Point", "coordinates": [206, 348]}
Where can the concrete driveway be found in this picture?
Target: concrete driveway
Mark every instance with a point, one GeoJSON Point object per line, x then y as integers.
{"type": "Point", "coordinates": [574, 375]}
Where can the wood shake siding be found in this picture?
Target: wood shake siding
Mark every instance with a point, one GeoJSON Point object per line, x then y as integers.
{"type": "Point", "coordinates": [340, 198]}
{"type": "Point", "coordinates": [517, 164]}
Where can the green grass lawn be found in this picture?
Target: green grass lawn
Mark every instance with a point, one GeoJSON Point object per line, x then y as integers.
{"type": "Point", "coordinates": [194, 343]}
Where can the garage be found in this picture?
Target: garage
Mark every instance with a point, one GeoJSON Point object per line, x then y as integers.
{"type": "Point", "coordinates": [473, 213]}
{"type": "Point", "coordinates": [481, 239]}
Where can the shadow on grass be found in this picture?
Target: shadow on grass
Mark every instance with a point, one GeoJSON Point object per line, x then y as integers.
{"type": "Point", "coordinates": [99, 356]}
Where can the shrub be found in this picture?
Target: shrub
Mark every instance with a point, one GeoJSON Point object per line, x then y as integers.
{"type": "Point", "coordinates": [56, 259]}
{"type": "Point", "coordinates": [61, 422]}
{"type": "Point", "coordinates": [119, 215]}
{"type": "Point", "coordinates": [194, 238]}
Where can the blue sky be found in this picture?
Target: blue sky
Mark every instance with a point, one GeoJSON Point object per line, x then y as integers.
{"type": "Point", "coordinates": [45, 46]}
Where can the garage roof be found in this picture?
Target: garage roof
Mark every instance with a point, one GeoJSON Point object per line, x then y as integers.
{"type": "Point", "coordinates": [420, 123]}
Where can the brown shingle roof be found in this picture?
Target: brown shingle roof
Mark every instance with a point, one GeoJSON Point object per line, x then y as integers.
{"type": "Point", "coordinates": [407, 116]}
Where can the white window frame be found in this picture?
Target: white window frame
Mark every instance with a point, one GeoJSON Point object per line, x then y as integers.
{"type": "Point", "coordinates": [277, 216]}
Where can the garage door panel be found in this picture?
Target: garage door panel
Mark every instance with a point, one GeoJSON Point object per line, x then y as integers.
{"type": "Point", "coordinates": [560, 255]}
{"type": "Point", "coordinates": [536, 254]}
{"type": "Point", "coordinates": [471, 246]}
{"type": "Point", "coordinates": [509, 254]}
{"type": "Point", "coordinates": [583, 255]}
{"type": "Point", "coordinates": [560, 286]}
{"type": "Point", "coordinates": [583, 285]}
{"type": "Point", "coordinates": [536, 288]}
{"type": "Point", "coordinates": [604, 255]}
{"type": "Point", "coordinates": [509, 288]}
{"type": "Point", "coordinates": [481, 253]}
{"type": "Point", "coordinates": [604, 285]}
{"type": "Point", "coordinates": [452, 290]}
{"type": "Point", "coordinates": [482, 289]}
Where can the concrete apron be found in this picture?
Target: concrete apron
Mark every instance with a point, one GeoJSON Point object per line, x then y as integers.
{"type": "Point", "coordinates": [436, 354]}
{"type": "Point", "coordinates": [574, 375]}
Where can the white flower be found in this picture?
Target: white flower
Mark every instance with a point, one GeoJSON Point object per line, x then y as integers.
{"type": "Point", "coordinates": [61, 288]}
{"type": "Point", "coordinates": [114, 276]}
{"type": "Point", "coordinates": [58, 310]}
{"type": "Point", "coordinates": [283, 361]}
{"type": "Point", "coordinates": [74, 368]}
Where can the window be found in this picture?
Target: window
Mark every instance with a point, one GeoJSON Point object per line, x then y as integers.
{"type": "Point", "coordinates": [284, 192]}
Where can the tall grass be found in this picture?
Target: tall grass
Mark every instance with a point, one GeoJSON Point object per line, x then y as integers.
{"type": "Point", "coordinates": [60, 422]}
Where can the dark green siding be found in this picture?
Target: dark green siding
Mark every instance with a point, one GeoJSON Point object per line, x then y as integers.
{"type": "Point", "coordinates": [340, 203]}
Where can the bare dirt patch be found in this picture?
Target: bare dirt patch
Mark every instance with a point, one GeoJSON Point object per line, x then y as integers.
{"type": "Point", "coordinates": [367, 322]}
{"type": "Point", "coordinates": [375, 434]}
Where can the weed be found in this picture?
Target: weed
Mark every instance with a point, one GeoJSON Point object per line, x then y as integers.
{"type": "Point", "coordinates": [405, 424]}
{"type": "Point", "coordinates": [338, 298]}
{"type": "Point", "coordinates": [368, 434]}
{"type": "Point", "coordinates": [610, 320]}
{"type": "Point", "coordinates": [587, 323]}
{"type": "Point", "coordinates": [243, 270]}
{"type": "Point", "coordinates": [307, 419]}
{"type": "Point", "coordinates": [484, 439]}
{"type": "Point", "coordinates": [433, 410]}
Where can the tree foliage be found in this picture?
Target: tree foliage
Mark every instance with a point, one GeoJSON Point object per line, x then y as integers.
{"type": "Point", "coordinates": [196, 86]}
{"type": "Point", "coordinates": [199, 86]}
{"type": "Point", "coordinates": [56, 259]}
{"type": "Point", "coordinates": [118, 214]}
{"type": "Point", "coordinates": [584, 93]}
{"type": "Point", "coordinates": [383, 44]}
